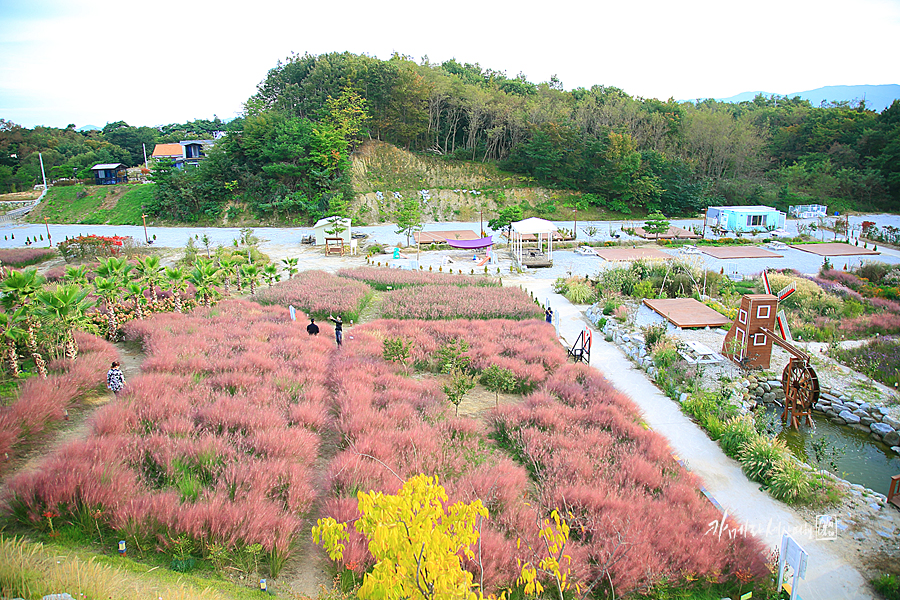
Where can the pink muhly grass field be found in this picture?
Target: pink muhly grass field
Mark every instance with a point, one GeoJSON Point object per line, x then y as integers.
{"type": "Point", "coordinates": [218, 410]}
{"type": "Point", "coordinates": [582, 443]}
{"type": "Point", "coordinates": [42, 401]}
{"type": "Point", "coordinates": [455, 302]}
{"type": "Point", "coordinates": [319, 294]}
{"type": "Point", "coordinates": [381, 279]}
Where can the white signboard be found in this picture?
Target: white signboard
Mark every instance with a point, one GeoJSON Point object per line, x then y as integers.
{"type": "Point", "coordinates": [795, 557]}
{"type": "Point", "coordinates": [293, 312]}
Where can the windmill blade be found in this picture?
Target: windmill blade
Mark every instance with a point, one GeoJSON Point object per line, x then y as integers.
{"type": "Point", "coordinates": [781, 319]}
{"type": "Point", "coordinates": [786, 291]}
{"type": "Point", "coordinates": [766, 283]}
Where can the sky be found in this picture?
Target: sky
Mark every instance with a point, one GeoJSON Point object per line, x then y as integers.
{"type": "Point", "coordinates": [90, 62]}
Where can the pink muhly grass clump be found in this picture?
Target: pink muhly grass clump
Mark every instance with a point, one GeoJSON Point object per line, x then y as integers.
{"type": "Point", "coordinates": [453, 302]}
{"type": "Point", "coordinates": [319, 293]}
{"type": "Point", "coordinates": [382, 278]}
{"type": "Point", "coordinates": [20, 257]}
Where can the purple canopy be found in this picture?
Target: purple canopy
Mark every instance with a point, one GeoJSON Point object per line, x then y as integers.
{"type": "Point", "coordinates": [472, 244]}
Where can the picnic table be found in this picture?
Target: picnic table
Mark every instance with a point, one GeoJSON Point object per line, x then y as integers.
{"type": "Point", "coordinates": [697, 353]}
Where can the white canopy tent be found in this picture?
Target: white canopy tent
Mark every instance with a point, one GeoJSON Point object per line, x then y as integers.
{"type": "Point", "coordinates": [531, 227]}
{"type": "Point", "coordinates": [325, 228]}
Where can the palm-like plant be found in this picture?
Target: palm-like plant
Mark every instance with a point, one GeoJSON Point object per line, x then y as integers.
{"type": "Point", "coordinates": [270, 273]}
{"type": "Point", "coordinates": [175, 282]}
{"type": "Point", "coordinates": [137, 293]}
{"type": "Point", "coordinates": [11, 333]}
{"type": "Point", "coordinates": [19, 289]}
{"type": "Point", "coordinates": [151, 273]}
{"type": "Point", "coordinates": [108, 289]}
{"type": "Point", "coordinates": [76, 275]}
{"type": "Point", "coordinates": [226, 266]}
{"type": "Point", "coordinates": [290, 264]}
{"type": "Point", "coordinates": [67, 307]}
{"type": "Point", "coordinates": [205, 276]}
{"type": "Point", "coordinates": [251, 272]}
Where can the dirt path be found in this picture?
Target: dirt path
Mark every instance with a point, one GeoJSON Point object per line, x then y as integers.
{"type": "Point", "coordinates": [78, 424]}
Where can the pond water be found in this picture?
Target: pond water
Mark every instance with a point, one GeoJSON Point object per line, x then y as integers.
{"type": "Point", "coordinates": [858, 458]}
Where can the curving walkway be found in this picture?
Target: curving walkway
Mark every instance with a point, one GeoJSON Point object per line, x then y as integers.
{"type": "Point", "coordinates": [828, 575]}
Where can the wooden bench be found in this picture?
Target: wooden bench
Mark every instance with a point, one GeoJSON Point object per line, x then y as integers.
{"type": "Point", "coordinates": [894, 493]}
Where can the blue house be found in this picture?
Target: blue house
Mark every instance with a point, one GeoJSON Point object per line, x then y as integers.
{"type": "Point", "coordinates": [110, 173]}
{"type": "Point", "coordinates": [744, 219]}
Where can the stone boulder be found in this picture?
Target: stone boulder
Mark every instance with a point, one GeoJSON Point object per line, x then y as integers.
{"type": "Point", "coordinates": [848, 417]}
{"type": "Point", "coordinates": [881, 429]}
{"type": "Point", "coordinates": [891, 439]}
{"type": "Point", "coordinates": [889, 420]}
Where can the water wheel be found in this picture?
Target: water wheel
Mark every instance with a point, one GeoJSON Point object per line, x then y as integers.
{"type": "Point", "coordinates": [801, 392]}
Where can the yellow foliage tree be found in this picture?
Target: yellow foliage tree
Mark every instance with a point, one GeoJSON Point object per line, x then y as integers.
{"type": "Point", "coordinates": [414, 540]}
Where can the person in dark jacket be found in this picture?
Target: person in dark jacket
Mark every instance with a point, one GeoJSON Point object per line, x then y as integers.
{"type": "Point", "coordinates": [338, 328]}
{"type": "Point", "coordinates": [312, 328]}
{"type": "Point", "coordinates": [548, 315]}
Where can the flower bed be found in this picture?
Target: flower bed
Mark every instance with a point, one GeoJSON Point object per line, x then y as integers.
{"type": "Point", "coordinates": [382, 279]}
{"type": "Point", "coordinates": [319, 294]}
{"type": "Point", "coordinates": [454, 302]}
{"type": "Point", "coordinates": [879, 359]}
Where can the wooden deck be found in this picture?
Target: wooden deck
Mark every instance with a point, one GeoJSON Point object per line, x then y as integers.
{"type": "Point", "coordinates": [534, 259]}
{"type": "Point", "coordinates": [835, 249]}
{"type": "Point", "coordinates": [729, 252]}
{"type": "Point", "coordinates": [687, 312]}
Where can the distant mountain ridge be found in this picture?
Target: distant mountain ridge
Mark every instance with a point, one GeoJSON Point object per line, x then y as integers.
{"type": "Point", "coordinates": [878, 97]}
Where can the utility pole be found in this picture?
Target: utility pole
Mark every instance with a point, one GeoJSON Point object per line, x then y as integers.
{"type": "Point", "coordinates": [146, 237]}
{"type": "Point", "coordinates": [144, 146]}
{"type": "Point", "coordinates": [41, 158]}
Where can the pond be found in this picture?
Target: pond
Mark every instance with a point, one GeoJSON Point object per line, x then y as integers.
{"type": "Point", "coordinates": [848, 453]}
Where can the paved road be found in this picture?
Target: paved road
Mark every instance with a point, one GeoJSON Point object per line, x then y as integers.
{"type": "Point", "coordinates": [828, 575]}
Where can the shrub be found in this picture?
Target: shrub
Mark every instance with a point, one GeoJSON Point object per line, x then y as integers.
{"type": "Point", "coordinates": [888, 586]}
{"type": "Point", "coordinates": [759, 457]}
{"type": "Point", "coordinates": [790, 482]}
{"type": "Point", "coordinates": [654, 334]}
{"type": "Point", "coordinates": [738, 431]}
{"type": "Point", "coordinates": [580, 292]}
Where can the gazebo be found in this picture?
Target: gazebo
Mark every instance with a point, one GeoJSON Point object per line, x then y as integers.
{"type": "Point", "coordinates": [532, 230]}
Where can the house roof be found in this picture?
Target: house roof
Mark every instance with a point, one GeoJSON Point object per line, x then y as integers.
{"type": "Point", "coordinates": [200, 142]}
{"type": "Point", "coordinates": [106, 166]}
{"type": "Point", "coordinates": [748, 209]}
{"type": "Point", "coordinates": [164, 150]}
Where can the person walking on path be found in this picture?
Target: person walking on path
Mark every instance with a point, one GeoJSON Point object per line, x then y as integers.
{"type": "Point", "coordinates": [338, 328]}
{"type": "Point", "coordinates": [548, 315]}
{"type": "Point", "coordinates": [115, 380]}
{"type": "Point", "coordinates": [312, 328]}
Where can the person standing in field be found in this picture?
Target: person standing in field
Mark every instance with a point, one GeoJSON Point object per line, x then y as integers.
{"type": "Point", "coordinates": [338, 328]}
{"type": "Point", "coordinates": [312, 328]}
{"type": "Point", "coordinates": [115, 380]}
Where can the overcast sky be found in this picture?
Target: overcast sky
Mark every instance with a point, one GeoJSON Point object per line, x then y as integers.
{"type": "Point", "coordinates": [90, 62]}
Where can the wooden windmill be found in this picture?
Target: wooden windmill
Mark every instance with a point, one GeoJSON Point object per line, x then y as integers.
{"type": "Point", "coordinates": [749, 344]}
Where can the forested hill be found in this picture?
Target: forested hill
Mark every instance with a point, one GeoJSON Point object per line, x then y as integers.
{"type": "Point", "coordinates": [288, 157]}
